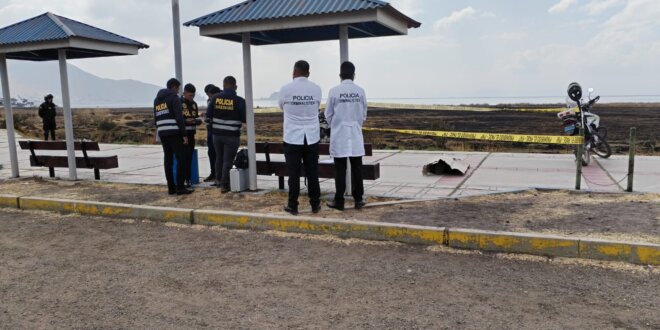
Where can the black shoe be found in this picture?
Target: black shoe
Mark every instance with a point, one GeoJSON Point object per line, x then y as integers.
{"type": "Point", "coordinates": [184, 191]}
{"type": "Point", "coordinates": [291, 210]}
{"type": "Point", "coordinates": [188, 183]}
{"type": "Point", "coordinates": [359, 205]}
{"type": "Point", "coordinates": [224, 190]}
{"type": "Point", "coordinates": [210, 178]}
{"type": "Point", "coordinates": [335, 205]}
{"type": "Point", "coordinates": [171, 191]}
{"type": "Point", "coordinates": [316, 209]}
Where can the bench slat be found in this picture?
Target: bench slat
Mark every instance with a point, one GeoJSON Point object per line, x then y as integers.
{"type": "Point", "coordinates": [103, 163]}
{"type": "Point", "coordinates": [324, 148]}
{"type": "Point", "coordinates": [58, 145]}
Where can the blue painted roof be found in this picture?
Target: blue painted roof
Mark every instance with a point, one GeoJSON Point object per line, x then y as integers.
{"type": "Point", "coordinates": [50, 27]}
{"type": "Point", "coordinates": [256, 10]}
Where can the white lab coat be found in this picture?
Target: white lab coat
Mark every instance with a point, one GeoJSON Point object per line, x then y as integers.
{"type": "Point", "coordinates": [346, 112]}
{"type": "Point", "coordinates": [300, 100]}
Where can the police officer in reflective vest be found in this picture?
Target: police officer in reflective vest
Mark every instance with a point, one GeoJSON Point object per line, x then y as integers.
{"type": "Point", "coordinates": [48, 112]}
{"type": "Point", "coordinates": [346, 112]}
{"type": "Point", "coordinates": [300, 100]}
{"type": "Point", "coordinates": [171, 130]}
{"type": "Point", "coordinates": [228, 110]}
{"type": "Point", "coordinates": [191, 117]}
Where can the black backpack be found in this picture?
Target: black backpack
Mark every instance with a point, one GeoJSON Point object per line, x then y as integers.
{"type": "Point", "coordinates": [242, 160]}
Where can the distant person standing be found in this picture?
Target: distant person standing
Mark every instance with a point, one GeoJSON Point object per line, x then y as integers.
{"type": "Point", "coordinates": [48, 112]}
{"type": "Point", "coordinates": [171, 130]}
{"type": "Point", "coordinates": [346, 112]}
{"type": "Point", "coordinates": [191, 117]}
{"type": "Point", "coordinates": [300, 100]}
{"type": "Point", "coordinates": [210, 90]}
{"type": "Point", "coordinates": [228, 113]}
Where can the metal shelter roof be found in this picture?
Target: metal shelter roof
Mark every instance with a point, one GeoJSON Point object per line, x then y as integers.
{"type": "Point", "coordinates": [289, 21]}
{"type": "Point", "coordinates": [39, 38]}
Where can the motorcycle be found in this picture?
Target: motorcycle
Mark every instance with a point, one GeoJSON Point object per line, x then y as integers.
{"type": "Point", "coordinates": [595, 135]}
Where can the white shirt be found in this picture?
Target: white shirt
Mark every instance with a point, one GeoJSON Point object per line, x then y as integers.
{"type": "Point", "coordinates": [300, 100]}
{"type": "Point", "coordinates": [346, 112]}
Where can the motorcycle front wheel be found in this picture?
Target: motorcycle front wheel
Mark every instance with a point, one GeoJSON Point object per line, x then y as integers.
{"type": "Point", "coordinates": [603, 149]}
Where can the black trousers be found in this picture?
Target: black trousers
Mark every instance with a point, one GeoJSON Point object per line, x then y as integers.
{"type": "Point", "coordinates": [356, 178]}
{"type": "Point", "coordinates": [226, 148]}
{"type": "Point", "coordinates": [173, 146]}
{"type": "Point", "coordinates": [211, 152]}
{"type": "Point", "coordinates": [49, 127]}
{"type": "Point", "coordinates": [190, 149]}
{"type": "Point", "coordinates": [296, 157]}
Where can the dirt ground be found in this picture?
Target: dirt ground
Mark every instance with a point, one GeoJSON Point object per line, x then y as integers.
{"type": "Point", "coordinates": [628, 217]}
{"type": "Point", "coordinates": [136, 126]}
{"type": "Point", "coordinates": [72, 272]}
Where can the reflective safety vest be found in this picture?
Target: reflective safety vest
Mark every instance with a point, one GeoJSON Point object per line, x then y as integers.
{"type": "Point", "coordinates": [228, 113]}
{"type": "Point", "coordinates": [190, 111]}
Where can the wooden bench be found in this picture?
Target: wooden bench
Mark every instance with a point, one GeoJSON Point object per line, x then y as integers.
{"type": "Point", "coordinates": [96, 163]}
{"type": "Point", "coordinates": [326, 170]}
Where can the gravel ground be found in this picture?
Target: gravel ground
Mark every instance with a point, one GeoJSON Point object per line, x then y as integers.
{"type": "Point", "coordinates": [72, 272]}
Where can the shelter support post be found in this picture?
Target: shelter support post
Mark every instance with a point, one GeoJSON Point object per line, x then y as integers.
{"type": "Point", "coordinates": [249, 107]}
{"type": "Point", "coordinates": [176, 20]}
{"type": "Point", "coordinates": [68, 117]}
{"type": "Point", "coordinates": [631, 159]}
{"type": "Point", "coordinates": [9, 116]}
{"type": "Point", "coordinates": [343, 57]}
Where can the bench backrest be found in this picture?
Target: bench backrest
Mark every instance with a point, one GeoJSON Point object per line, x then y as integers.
{"type": "Point", "coordinates": [278, 148]}
{"type": "Point", "coordinates": [58, 145]}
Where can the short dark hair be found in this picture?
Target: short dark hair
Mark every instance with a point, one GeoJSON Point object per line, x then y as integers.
{"type": "Point", "coordinates": [190, 88]}
{"type": "Point", "coordinates": [173, 83]}
{"type": "Point", "coordinates": [215, 90]}
{"type": "Point", "coordinates": [347, 70]}
{"type": "Point", "coordinates": [302, 66]}
{"type": "Point", "coordinates": [208, 88]}
{"type": "Point", "coordinates": [229, 80]}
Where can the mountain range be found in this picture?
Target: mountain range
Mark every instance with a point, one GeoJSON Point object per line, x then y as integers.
{"type": "Point", "coordinates": [33, 80]}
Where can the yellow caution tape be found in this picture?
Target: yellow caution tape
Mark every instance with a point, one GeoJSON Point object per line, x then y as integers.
{"type": "Point", "coordinates": [459, 107]}
{"type": "Point", "coordinates": [540, 139]}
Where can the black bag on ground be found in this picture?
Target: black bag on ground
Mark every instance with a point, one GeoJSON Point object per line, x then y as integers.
{"type": "Point", "coordinates": [242, 160]}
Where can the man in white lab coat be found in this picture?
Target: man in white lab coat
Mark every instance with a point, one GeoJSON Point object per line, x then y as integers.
{"type": "Point", "coordinates": [300, 100]}
{"type": "Point", "coordinates": [346, 112]}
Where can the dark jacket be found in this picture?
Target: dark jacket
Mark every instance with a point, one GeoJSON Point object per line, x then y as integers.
{"type": "Point", "coordinates": [167, 114]}
{"type": "Point", "coordinates": [190, 111]}
{"type": "Point", "coordinates": [228, 111]}
{"type": "Point", "coordinates": [47, 112]}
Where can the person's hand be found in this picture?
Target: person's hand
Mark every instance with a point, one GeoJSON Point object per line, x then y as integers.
{"type": "Point", "coordinates": [190, 121]}
{"type": "Point", "coordinates": [185, 140]}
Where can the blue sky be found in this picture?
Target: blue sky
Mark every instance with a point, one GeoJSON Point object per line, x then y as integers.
{"type": "Point", "coordinates": [465, 48]}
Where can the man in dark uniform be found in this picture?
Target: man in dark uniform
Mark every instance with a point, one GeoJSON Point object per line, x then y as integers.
{"type": "Point", "coordinates": [228, 111]}
{"type": "Point", "coordinates": [171, 130]}
{"type": "Point", "coordinates": [47, 112]}
{"type": "Point", "coordinates": [210, 90]}
{"type": "Point", "coordinates": [191, 117]}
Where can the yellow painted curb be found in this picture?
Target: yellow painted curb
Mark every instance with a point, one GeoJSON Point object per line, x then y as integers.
{"type": "Point", "coordinates": [114, 210]}
{"type": "Point", "coordinates": [490, 241]}
{"type": "Point", "coordinates": [9, 201]}
{"type": "Point", "coordinates": [495, 241]}
{"type": "Point", "coordinates": [341, 228]}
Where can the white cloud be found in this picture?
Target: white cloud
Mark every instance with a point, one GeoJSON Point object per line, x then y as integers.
{"type": "Point", "coordinates": [596, 7]}
{"type": "Point", "coordinates": [562, 6]}
{"type": "Point", "coordinates": [407, 7]}
{"type": "Point", "coordinates": [507, 36]}
{"type": "Point", "coordinates": [455, 17]}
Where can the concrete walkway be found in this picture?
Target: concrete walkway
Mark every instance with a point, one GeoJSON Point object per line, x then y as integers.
{"type": "Point", "coordinates": [401, 171]}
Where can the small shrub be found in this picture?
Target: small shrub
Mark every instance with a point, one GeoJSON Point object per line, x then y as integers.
{"type": "Point", "coordinates": [107, 125]}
